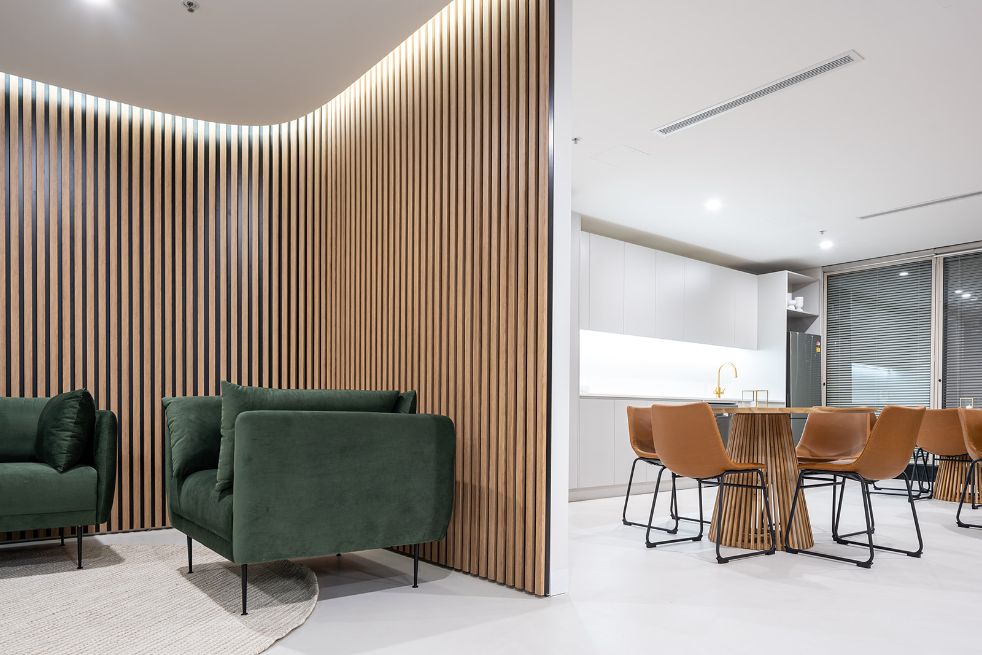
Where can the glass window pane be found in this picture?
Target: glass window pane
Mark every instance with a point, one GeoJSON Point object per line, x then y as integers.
{"type": "Point", "coordinates": [962, 352]}
{"type": "Point", "coordinates": [878, 341]}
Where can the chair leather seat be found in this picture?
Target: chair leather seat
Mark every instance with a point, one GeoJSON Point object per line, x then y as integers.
{"type": "Point", "coordinates": [645, 454]}
{"type": "Point", "coordinates": [36, 488]}
{"type": "Point", "coordinates": [747, 466]}
{"type": "Point", "coordinates": [845, 465]}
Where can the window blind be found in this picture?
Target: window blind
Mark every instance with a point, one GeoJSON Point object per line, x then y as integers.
{"type": "Point", "coordinates": [962, 340]}
{"type": "Point", "coordinates": [878, 336]}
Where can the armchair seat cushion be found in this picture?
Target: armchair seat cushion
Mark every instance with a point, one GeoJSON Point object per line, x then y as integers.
{"type": "Point", "coordinates": [202, 504]}
{"type": "Point", "coordinates": [36, 488]}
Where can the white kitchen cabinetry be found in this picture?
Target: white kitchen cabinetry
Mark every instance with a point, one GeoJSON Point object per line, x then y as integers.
{"type": "Point", "coordinates": [669, 296]}
{"type": "Point", "coordinates": [630, 289]}
{"type": "Point", "coordinates": [708, 304]}
{"type": "Point", "coordinates": [604, 454]}
{"type": "Point", "coordinates": [744, 310]}
{"type": "Point", "coordinates": [640, 279]}
{"type": "Point", "coordinates": [606, 284]}
{"type": "Point", "coordinates": [584, 281]}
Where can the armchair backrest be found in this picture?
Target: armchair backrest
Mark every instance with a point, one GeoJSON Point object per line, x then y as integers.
{"type": "Point", "coordinates": [18, 428]}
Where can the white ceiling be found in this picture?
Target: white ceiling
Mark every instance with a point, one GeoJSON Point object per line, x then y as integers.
{"type": "Point", "coordinates": [901, 127]}
{"type": "Point", "coordinates": [233, 61]}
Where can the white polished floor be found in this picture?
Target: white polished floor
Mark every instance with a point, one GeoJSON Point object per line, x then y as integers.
{"type": "Point", "coordinates": [626, 598]}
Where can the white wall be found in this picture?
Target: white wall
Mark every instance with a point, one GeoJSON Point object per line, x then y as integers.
{"type": "Point", "coordinates": [565, 273]}
{"type": "Point", "coordinates": [624, 365]}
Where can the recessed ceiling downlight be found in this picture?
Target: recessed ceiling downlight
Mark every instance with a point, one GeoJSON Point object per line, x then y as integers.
{"type": "Point", "coordinates": [713, 205]}
{"type": "Point", "coordinates": [826, 244]}
{"type": "Point", "coordinates": [99, 3]}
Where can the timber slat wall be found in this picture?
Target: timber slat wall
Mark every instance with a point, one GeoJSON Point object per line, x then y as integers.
{"type": "Point", "coordinates": [395, 238]}
{"type": "Point", "coordinates": [438, 257]}
{"type": "Point", "coordinates": [146, 255]}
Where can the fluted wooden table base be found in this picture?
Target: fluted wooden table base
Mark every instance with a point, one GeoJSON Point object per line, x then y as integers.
{"type": "Point", "coordinates": [950, 478]}
{"type": "Point", "coordinates": [763, 438]}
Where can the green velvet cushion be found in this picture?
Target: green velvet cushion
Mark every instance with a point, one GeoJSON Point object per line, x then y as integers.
{"type": "Point", "coordinates": [19, 428]}
{"type": "Point", "coordinates": [406, 403]}
{"type": "Point", "coordinates": [237, 399]}
{"type": "Point", "coordinates": [36, 488]}
{"type": "Point", "coordinates": [65, 428]}
{"type": "Point", "coordinates": [194, 428]}
{"type": "Point", "coordinates": [204, 505]}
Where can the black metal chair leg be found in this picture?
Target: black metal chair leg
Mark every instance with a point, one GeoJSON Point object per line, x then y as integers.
{"type": "Point", "coordinates": [794, 508]}
{"type": "Point", "coordinates": [78, 544]}
{"type": "Point", "coordinates": [969, 479]}
{"type": "Point", "coordinates": [245, 587]}
{"type": "Point", "coordinates": [867, 509]}
{"type": "Point", "coordinates": [627, 496]}
{"type": "Point", "coordinates": [61, 533]}
{"type": "Point", "coordinates": [415, 566]}
{"type": "Point", "coordinates": [719, 517]}
{"type": "Point", "coordinates": [870, 519]}
{"type": "Point", "coordinates": [189, 556]}
{"type": "Point", "coordinates": [762, 486]}
{"type": "Point", "coordinates": [767, 511]}
{"type": "Point", "coordinates": [917, 524]}
{"type": "Point", "coordinates": [651, 515]}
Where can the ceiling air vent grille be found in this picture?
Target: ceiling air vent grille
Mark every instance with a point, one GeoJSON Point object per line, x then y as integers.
{"type": "Point", "coordinates": [819, 69]}
{"type": "Point", "coordinates": [918, 205]}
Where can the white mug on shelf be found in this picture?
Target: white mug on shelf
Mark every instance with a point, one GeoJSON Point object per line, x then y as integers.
{"type": "Point", "coordinates": [799, 303]}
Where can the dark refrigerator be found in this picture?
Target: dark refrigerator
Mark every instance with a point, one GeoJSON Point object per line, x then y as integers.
{"type": "Point", "coordinates": [804, 380]}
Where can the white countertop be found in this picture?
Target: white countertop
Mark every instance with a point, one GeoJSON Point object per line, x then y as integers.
{"type": "Point", "coordinates": [628, 396]}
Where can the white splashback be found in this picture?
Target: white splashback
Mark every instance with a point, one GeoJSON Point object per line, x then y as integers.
{"type": "Point", "coordinates": [625, 365]}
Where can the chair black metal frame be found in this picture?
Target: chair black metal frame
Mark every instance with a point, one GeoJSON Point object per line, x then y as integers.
{"type": "Point", "coordinates": [864, 486]}
{"type": "Point", "coordinates": [925, 486]}
{"type": "Point", "coordinates": [969, 480]}
{"type": "Point", "coordinates": [721, 483]}
{"type": "Point", "coordinates": [673, 509]}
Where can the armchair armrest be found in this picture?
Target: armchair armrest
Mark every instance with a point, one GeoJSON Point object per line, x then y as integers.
{"type": "Point", "coordinates": [315, 483]}
{"type": "Point", "coordinates": [104, 460]}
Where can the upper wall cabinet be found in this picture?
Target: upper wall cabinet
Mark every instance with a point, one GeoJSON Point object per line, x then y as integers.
{"type": "Point", "coordinates": [744, 310]}
{"type": "Point", "coordinates": [640, 282]}
{"type": "Point", "coordinates": [670, 296]}
{"type": "Point", "coordinates": [629, 289]}
{"type": "Point", "coordinates": [606, 284]}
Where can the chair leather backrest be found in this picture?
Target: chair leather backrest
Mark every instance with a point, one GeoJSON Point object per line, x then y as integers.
{"type": "Point", "coordinates": [688, 441]}
{"type": "Point", "coordinates": [891, 443]}
{"type": "Point", "coordinates": [639, 429]}
{"type": "Point", "coordinates": [941, 432]}
{"type": "Point", "coordinates": [832, 435]}
{"type": "Point", "coordinates": [972, 431]}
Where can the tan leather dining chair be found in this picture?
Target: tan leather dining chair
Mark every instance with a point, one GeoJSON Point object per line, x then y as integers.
{"type": "Point", "coordinates": [971, 421]}
{"type": "Point", "coordinates": [643, 445]}
{"type": "Point", "coordinates": [833, 433]}
{"type": "Point", "coordinates": [885, 456]}
{"type": "Point", "coordinates": [940, 438]}
{"type": "Point", "coordinates": [689, 445]}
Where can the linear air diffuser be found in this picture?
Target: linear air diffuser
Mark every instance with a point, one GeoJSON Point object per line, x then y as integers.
{"type": "Point", "coordinates": [826, 66]}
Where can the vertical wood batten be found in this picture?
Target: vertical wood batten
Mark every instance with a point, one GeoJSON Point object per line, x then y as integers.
{"type": "Point", "coordinates": [397, 237]}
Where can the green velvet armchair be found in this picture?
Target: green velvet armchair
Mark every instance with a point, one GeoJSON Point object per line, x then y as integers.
{"type": "Point", "coordinates": [35, 496]}
{"type": "Point", "coordinates": [311, 480]}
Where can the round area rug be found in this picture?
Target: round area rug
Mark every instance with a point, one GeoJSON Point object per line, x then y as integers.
{"type": "Point", "coordinates": [140, 599]}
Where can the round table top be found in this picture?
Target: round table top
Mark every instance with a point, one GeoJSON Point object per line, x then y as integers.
{"type": "Point", "coordinates": [787, 410]}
